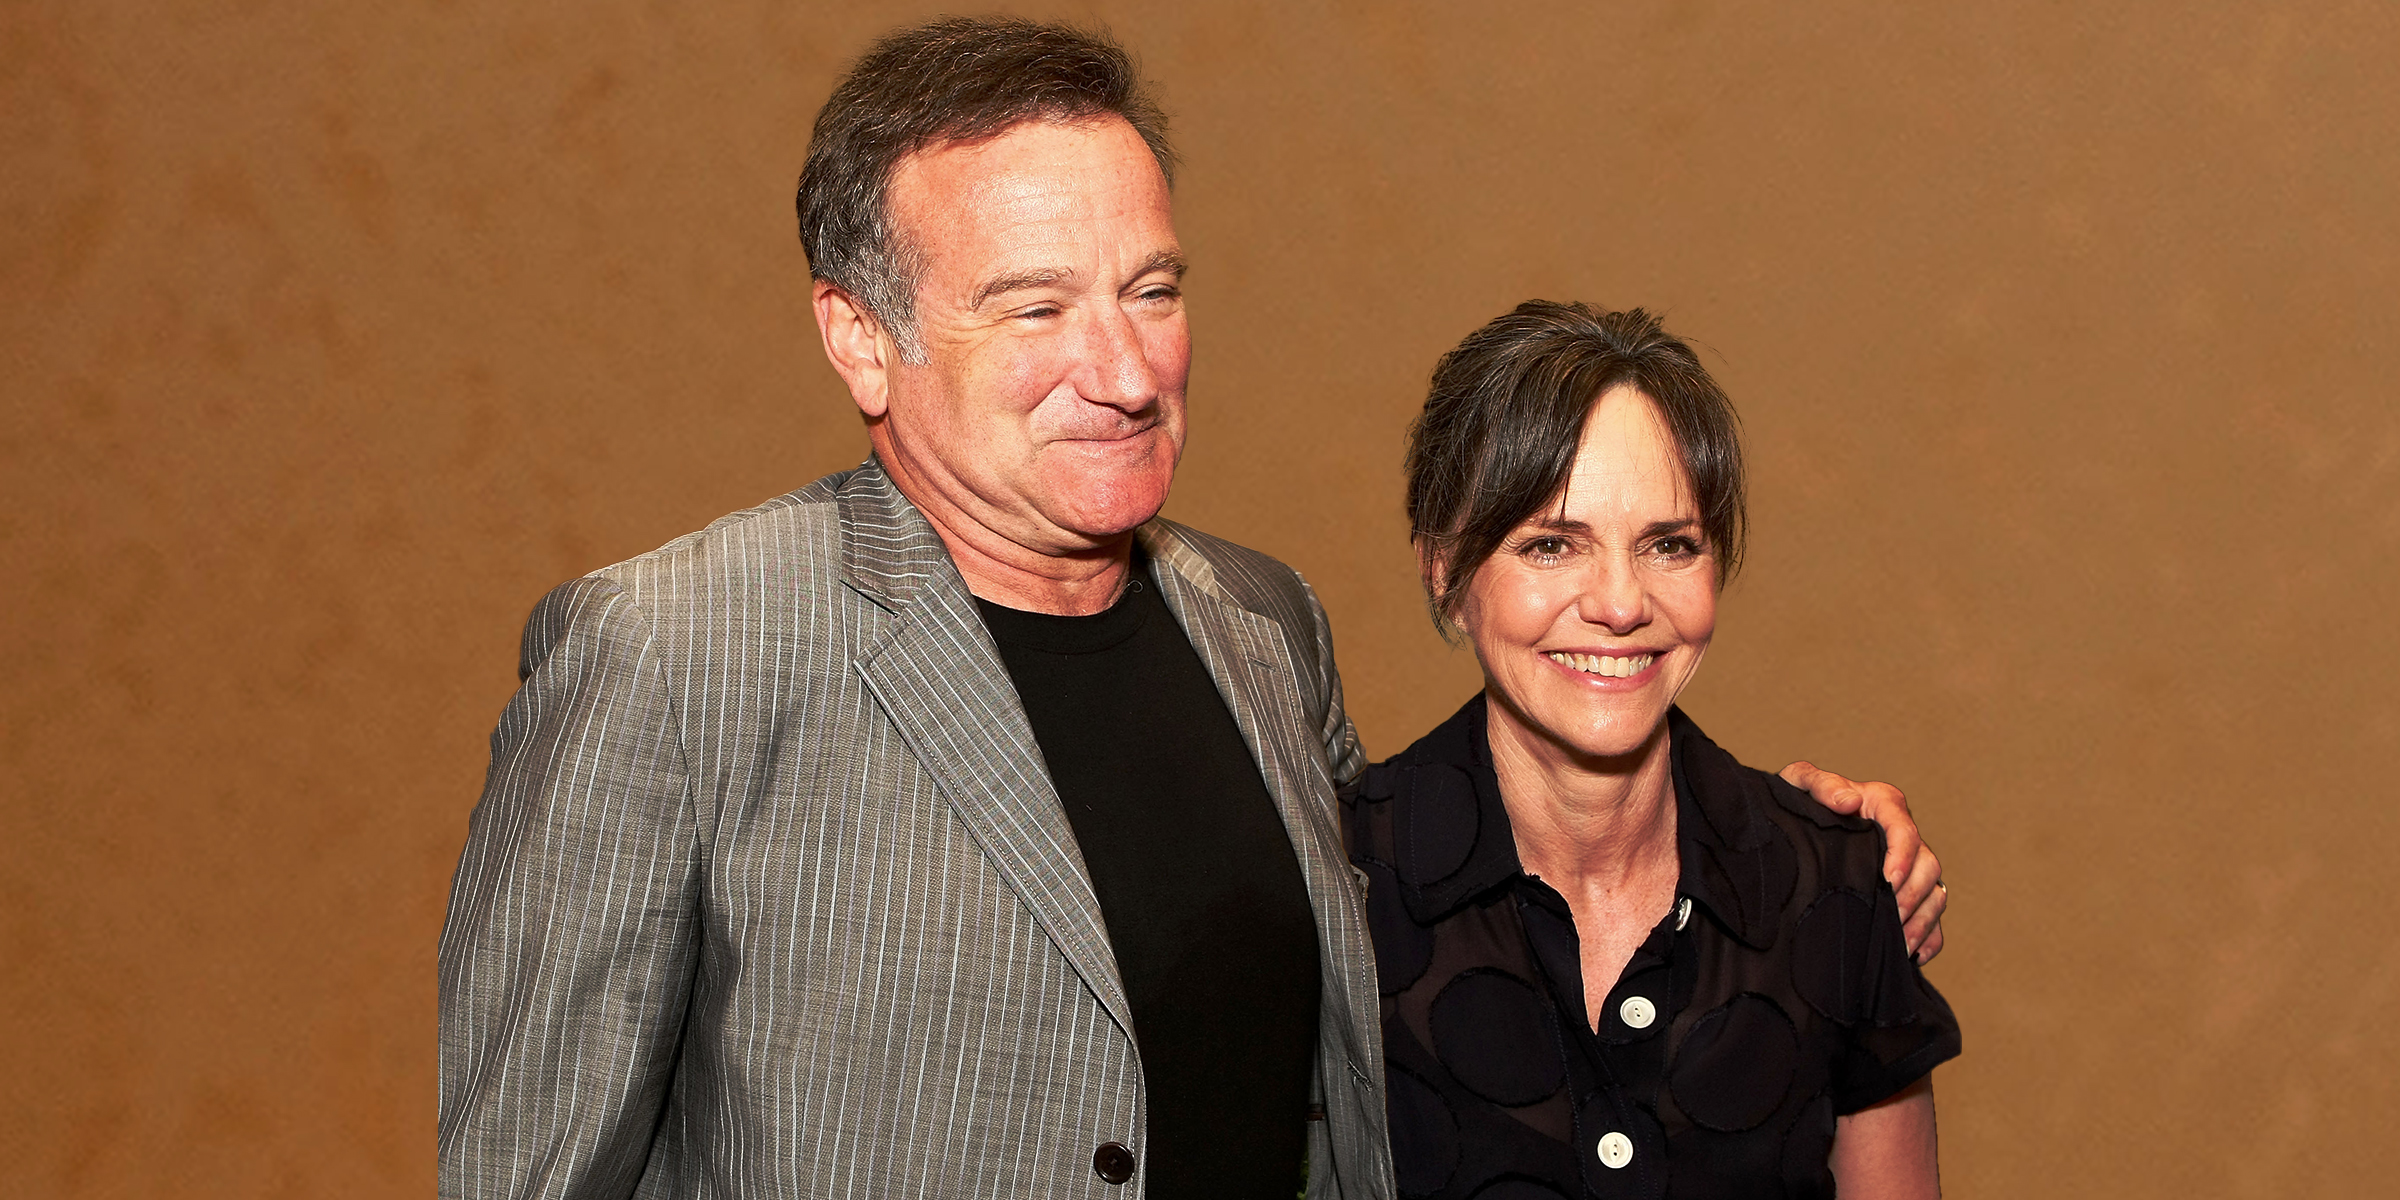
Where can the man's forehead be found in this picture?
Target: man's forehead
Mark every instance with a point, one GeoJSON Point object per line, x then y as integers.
{"type": "Point", "coordinates": [1009, 163]}
{"type": "Point", "coordinates": [1039, 196]}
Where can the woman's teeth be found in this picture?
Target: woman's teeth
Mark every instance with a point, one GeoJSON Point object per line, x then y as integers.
{"type": "Point", "coordinates": [1605, 664]}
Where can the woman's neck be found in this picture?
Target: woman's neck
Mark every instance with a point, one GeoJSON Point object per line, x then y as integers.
{"type": "Point", "coordinates": [1593, 828]}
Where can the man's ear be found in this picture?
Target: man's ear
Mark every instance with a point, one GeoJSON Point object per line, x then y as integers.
{"type": "Point", "coordinates": [856, 346]}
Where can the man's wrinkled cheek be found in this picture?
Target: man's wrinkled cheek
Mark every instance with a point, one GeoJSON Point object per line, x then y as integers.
{"type": "Point", "coordinates": [1024, 377]}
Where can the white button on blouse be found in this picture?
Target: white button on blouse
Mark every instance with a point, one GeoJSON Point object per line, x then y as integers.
{"type": "Point", "coordinates": [1637, 1012]}
{"type": "Point", "coordinates": [1615, 1150]}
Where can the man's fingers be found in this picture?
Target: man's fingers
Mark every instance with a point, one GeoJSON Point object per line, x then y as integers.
{"type": "Point", "coordinates": [1903, 847]}
{"type": "Point", "coordinates": [1833, 791]}
{"type": "Point", "coordinates": [1908, 863]}
{"type": "Point", "coordinates": [1921, 919]}
{"type": "Point", "coordinates": [1931, 946]}
{"type": "Point", "coordinates": [1904, 853]}
{"type": "Point", "coordinates": [1823, 786]}
{"type": "Point", "coordinates": [1917, 887]}
{"type": "Point", "coordinates": [1878, 802]}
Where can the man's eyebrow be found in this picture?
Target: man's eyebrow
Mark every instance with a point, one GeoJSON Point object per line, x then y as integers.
{"type": "Point", "coordinates": [1040, 277]}
{"type": "Point", "coordinates": [1170, 261]}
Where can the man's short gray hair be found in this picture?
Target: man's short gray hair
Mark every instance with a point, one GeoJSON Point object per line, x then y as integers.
{"type": "Point", "coordinates": [956, 79]}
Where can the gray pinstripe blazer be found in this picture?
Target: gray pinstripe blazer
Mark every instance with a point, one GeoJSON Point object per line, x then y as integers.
{"type": "Point", "coordinates": [769, 893]}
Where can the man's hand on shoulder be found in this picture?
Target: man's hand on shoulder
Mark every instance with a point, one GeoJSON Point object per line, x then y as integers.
{"type": "Point", "coordinates": [1908, 863]}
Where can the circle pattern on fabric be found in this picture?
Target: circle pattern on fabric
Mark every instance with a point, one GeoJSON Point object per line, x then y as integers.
{"type": "Point", "coordinates": [1437, 829]}
{"type": "Point", "coordinates": [1421, 1117]}
{"type": "Point", "coordinates": [1845, 953]}
{"type": "Point", "coordinates": [1406, 948]}
{"type": "Point", "coordinates": [1497, 1036]}
{"type": "Point", "coordinates": [1736, 1064]}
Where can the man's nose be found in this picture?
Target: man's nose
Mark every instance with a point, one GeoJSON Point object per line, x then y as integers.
{"type": "Point", "coordinates": [1116, 362]}
{"type": "Point", "coordinates": [1613, 596]}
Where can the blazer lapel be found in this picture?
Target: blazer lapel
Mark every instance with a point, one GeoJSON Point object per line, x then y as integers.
{"type": "Point", "coordinates": [937, 675]}
{"type": "Point", "coordinates": [1252, 664]}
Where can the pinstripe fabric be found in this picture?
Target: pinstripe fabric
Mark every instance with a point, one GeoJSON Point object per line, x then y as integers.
{"type": "Point", "coordinates": [769, 894]}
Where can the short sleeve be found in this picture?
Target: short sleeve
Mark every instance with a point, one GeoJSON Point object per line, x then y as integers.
{"type": "Point", "coordinates": [1896, 1026]}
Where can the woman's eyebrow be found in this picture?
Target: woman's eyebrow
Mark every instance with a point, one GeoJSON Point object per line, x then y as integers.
{"type": "Point", "coordinates": [1655, 528]}
{"type": "Point", "coordinates": [1559, 524]}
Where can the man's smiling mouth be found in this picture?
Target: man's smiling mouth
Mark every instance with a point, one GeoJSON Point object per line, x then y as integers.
{"type": "Point", "coordinates": [1603, 664]}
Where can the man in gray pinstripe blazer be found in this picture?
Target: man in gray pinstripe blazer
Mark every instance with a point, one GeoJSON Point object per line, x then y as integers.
{"type": "Point", "coordinates": [770, 891]}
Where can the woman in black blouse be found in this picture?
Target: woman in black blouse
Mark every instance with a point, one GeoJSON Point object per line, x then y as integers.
{"type": "Point", "coordinates": [1616, 962]}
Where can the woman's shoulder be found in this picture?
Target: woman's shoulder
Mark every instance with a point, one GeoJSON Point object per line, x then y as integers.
{"type": "Point", "coordinates": [1737, 803]}
{"type": "Point", "coordinates": [1447, 755]}
{"type": "Point", "coordinates": [1801, 889]}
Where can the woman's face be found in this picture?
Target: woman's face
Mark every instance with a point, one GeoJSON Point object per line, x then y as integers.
{"type": "Point", "coordinates": [1592, 616]}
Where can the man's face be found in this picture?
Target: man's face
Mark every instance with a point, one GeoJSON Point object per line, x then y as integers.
{"type": "Point", "coordinates": [1049, 408]}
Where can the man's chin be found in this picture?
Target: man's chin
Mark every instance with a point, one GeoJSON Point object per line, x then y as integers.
{"type": "Point", "coordinates": [1103, 514]}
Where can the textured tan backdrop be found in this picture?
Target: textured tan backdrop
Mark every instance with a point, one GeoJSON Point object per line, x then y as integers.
{"type": "Point", "coordinates": [336, 333]}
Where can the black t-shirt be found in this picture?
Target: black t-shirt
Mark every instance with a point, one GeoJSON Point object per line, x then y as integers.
{"type": "Point", "coordinates": [1773, 997]}
{"type": "Point", "coordinates": [1196, 879]}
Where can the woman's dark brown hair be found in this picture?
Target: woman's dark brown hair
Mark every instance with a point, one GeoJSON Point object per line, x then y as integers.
{"type": "Point", "coordinates": [1497, 439]}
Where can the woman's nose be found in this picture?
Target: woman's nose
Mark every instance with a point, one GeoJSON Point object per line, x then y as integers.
{"type": "Point", "coordinates": [1613, 597]}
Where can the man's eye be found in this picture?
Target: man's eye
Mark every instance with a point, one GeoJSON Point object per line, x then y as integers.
{"type": "Point", "coordinates": [1039, 312]}
{"type": "Point", "coordinates": [1159, 292]}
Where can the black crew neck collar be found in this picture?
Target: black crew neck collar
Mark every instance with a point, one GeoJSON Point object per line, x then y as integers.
{"type": "Point", "coordinates": [1051, 633]}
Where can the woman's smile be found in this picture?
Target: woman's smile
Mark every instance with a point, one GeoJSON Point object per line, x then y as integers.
{"type": "Point", "coordinates": [1627, 668]}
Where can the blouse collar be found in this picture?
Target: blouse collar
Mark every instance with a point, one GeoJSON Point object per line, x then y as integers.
{"type": "Point", "coordinates": [1452, 840]}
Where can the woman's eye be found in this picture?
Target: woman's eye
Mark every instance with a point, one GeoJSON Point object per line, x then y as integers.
{"type": "Point", "coordinates": [1676, 546]}
{"type": "Point", "coordinates": [1546, 547]}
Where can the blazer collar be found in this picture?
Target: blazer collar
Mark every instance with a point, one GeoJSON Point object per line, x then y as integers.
{"type": "Point", "coordinates": [890, 552]}
{"type": "Point", "coordinates": [934, 670]}
{"type": "Point", "coordinates": [1453, 841]}
{"type": "Point", "coordinates": [1250, 657]}
{"type": "Point", "coordinates": [938, 675]}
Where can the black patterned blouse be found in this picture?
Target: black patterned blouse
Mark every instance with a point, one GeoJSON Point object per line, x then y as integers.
{"type": "Point", "coordinates": [1775, 995]}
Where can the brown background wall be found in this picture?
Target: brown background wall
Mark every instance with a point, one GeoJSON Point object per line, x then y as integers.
{"type": "Point", "coordinates": [335, 334]}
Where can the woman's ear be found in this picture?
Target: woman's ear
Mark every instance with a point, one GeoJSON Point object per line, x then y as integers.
{"type": "Point", "coordinates": [1429, 567]}
{"type": "Point", "coordinates": [1433, 570]}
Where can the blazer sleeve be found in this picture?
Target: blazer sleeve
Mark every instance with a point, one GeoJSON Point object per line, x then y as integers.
{"type": "Point", "coordinates": [1343, 757]}
{"type": "Point", "coordinates": [568, 954]}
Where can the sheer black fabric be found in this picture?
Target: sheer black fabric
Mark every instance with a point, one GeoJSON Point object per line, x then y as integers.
{"type": "Point", "coordinates": [1773, 996]}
